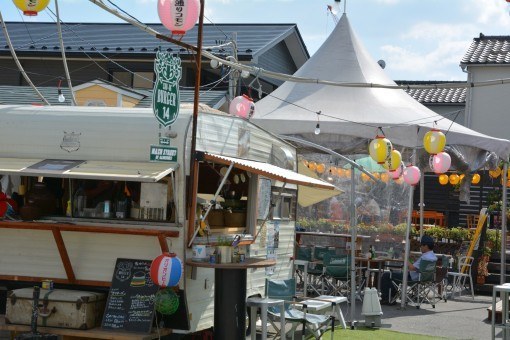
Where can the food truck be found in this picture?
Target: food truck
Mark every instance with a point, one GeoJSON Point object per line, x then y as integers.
{"type": "Point", "coordinates": [94, 184]}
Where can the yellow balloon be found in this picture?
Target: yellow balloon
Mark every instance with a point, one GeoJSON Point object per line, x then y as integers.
{"type": "Point", "coordinates": [443, 179]}
{"type": "Point", "coordinates": [475, 179]}
{"type": "Point", "coordinates": [31, 7]}
{"type": "Point", "coordinates": [321, 168]}
{"type": "Point", "coordinates": [380, 149]}
{"type": "Point", "coordinates": [495, 173]}
{"type": "Point", "coordinates": [454, 179]}
{"type": "Point", "coordinates": [434, 141]}
{"type": "Point", "coordinates": [312, 166]}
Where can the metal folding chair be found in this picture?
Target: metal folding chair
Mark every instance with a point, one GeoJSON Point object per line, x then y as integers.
{"type": "Point", "coordinates": [458, 279]}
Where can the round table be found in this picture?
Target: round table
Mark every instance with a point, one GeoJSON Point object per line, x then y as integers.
{"type": "Point", "coordinates": [230, 295]}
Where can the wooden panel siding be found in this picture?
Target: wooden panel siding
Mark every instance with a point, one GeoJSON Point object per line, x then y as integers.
{"type": "Point", "coordinates": [277, 59]}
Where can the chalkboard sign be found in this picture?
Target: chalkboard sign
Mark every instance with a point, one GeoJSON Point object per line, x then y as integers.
{"type": "Point", "coordinates": [130, 304]}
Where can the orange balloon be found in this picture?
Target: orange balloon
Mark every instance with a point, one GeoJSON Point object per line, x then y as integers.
{"type": "Point", "coordinates": [443, 179]}
{"type": "Point", "coordinates": [321, 168]}
{"type": "Point", "coordinates": [475, 179]}
{"type": "Point", "coordinates": [495, 173]}
{"type": "Point", "coordinates": [454, 179]}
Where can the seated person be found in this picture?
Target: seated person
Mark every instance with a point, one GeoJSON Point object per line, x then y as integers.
{"type": "Point", "coordinates": [426, 247]}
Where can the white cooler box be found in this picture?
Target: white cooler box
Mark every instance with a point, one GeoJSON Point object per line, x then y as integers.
{"type": "Point", "coordinates": [57, 308]}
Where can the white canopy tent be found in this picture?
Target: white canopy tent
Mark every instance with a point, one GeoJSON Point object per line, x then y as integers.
{"type": "Point", "coordinates": [350, 116]}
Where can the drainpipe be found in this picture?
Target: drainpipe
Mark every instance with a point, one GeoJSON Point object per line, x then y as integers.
{"type": "Point", "coordinates": [469, 97]}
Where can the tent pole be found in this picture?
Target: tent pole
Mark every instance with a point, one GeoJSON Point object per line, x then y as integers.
{"type": "Point", "coordinates": [422, 201]}
{"type": "Point", "coordinates": [408, 242]}
{"type": "Point", "coordinates": [353, 249]}
{"type": "Point", "coordinates": [503, 224]}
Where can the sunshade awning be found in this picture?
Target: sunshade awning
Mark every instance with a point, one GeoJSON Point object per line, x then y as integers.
{"type": "Point", "coordinates": [269, 171]}
{"type": "Point", "coordinates": [124, 171]}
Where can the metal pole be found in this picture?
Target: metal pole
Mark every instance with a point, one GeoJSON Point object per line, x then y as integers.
{"type": "Point", "coordinates": [503, 224]}
{"type": "Point", "coordinates": [422, 199]}
{"type": "Point", "coordinates": [16, 60]}
{"type": "Point", "coordinates": [192, 194]}
{"type": "Point", "coordinates": [408, 243]}
{"type": "Point", "coordinates": [64, 60]}
{"type": "Point", "coordinates": [353, 248]}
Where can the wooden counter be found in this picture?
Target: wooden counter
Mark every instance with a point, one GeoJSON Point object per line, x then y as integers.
{"type": "Point", "coordinates": [94, 333]}
{"type": "Point", "coordinates": [247, 264]}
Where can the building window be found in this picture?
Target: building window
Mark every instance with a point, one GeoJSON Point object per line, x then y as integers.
{"type": "Point", "coordinates": [283, 206]}
{"type": "Point", "coordinates": [143, 80]}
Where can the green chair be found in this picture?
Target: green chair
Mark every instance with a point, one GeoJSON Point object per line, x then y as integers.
{"type": "Point", "coordinates": [419, 291]}
{"type": "Point", "coordinates": [315, 324]}
{"type": "Point", "coordinates": [336, 275]}
{"type": "Point", "coordinates": [301, 266]}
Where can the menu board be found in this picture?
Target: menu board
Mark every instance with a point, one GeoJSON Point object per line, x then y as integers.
{"type": "Point", "coordinates": [130, 304]}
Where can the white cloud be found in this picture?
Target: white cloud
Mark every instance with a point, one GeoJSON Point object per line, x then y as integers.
{"type": "Point", "coordinates": [387, 2]}
{"type": "Point", "coordinates": [490, 12]}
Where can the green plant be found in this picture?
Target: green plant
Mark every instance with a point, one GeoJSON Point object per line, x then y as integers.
{"type": "Point", "coordinates": [494, 239]}
{"type": "Point", "coordinates": [223, 241]}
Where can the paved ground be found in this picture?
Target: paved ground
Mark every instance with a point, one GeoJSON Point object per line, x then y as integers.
{"type": "Point", "coordinates": [461, 318]}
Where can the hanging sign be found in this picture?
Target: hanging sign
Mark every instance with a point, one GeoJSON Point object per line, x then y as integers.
{"type": "Point", "coordinates": [160, 153]}
{"type": "Point", "coordinates": [165, 97]}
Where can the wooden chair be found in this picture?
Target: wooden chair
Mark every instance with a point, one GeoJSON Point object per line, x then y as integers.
{"type": "Point", "coordinates": [472, 220]}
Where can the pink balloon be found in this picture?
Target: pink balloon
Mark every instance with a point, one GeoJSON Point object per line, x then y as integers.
{"type": "Point", "coordinates": [440, 163]}
{"type": "Point", "coordinates": [178, 16]}
{"type": "Point", "coordinates": [412, 175]}
{"type": "Point", "coordinates": [242, 106]}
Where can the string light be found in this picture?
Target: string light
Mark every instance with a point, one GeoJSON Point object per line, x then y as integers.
{"type": "Point", "coordinates": [61, 97]}
{"type": "Point", "coordinates": [318, 127]}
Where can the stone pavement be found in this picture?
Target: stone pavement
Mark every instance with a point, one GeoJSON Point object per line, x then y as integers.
{"type": "Point", "coordinates": [460, 318]}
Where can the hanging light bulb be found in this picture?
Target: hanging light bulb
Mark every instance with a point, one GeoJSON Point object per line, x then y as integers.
{"type": "Point", "coordinates": [245, 74]}
{"type": "Point", "coordinates": [454, 179]}
{"type": "Point", "coordinates": [317, 129]}
{"type": "Point", "coordinates": [443, 179]}
{"type": "Point", "coordinates": [61, 97]}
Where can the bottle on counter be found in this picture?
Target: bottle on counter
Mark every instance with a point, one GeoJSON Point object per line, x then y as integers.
{"type": "Point", "coordinates": [372, 252]}
{"type": "Point", "coordinates": [79, 202]}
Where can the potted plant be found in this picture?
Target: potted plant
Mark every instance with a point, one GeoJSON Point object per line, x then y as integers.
{"type": "Point", "coordinates": [224, 248]}
{"type": "Point", "coordinates": [483, 263]}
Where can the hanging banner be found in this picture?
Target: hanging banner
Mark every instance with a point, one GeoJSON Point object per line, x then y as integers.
{"type": "Point", "coordinates": [165, 97]}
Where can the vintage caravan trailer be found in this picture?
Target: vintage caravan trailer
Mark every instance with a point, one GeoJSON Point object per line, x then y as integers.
{"type": "Point", "coordinates": [116, 186]}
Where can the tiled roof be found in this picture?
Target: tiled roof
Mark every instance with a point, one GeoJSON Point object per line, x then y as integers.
{"type": "Point", "coordinates": [435, 96]}
{"type": "Point", "coordinates": [121, 39]}
{"type": "Point", "coordinates": [210, 98]}
{"type": "Point", "coordinates": [488, 50]}
{"type": "Point", "coordinates": [16, 95]}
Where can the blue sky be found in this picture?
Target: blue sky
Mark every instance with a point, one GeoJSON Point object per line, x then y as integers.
{"type": "Point", "coordinates": [418, 39]}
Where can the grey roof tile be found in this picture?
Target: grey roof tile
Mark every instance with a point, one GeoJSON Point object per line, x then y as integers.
{"type": "Point", "coordinates": [17, 95]}
{"type": "Point", "coordinates": [488, 50]}
{"type": "Point", "coordinates": [119, 38]}
{"type": "Point", "coordinates": [437, 95]}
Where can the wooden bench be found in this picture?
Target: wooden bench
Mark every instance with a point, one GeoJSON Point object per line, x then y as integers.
{"type": "Point", "coordinates": [76, 334]}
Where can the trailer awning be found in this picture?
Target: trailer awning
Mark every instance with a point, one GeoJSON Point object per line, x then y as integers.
{"type": "Point", "coordinates": [269, 171]}
{"type": "Point", "coordinates": [123, 171]}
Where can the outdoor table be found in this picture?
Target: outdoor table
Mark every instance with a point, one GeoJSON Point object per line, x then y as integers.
{"type": "Point", "coordinates": [380, 261]}
{"type": "Point", "coordinates": [230, 295]}
{"type": "Point", "coordinates": [504, 291]}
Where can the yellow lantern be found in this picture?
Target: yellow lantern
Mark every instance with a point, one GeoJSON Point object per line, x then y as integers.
{"type": "Point", "coordinates": [347, 172]}
{"type": "Point", "coordinates": [399, 180]}
{"type": "Point", "coordinates": [321, 168]}
{"type": "Point", "coordinates": [305, 162]}
{"type": "Point", "coordinates": [312, 166]}
{"type": "Point", "coordinates": [380, 149]}
{"type": "Point", "coordinates": [364, 177]}
{"type": "Point", "coordinates": [495, 173]}
{"type": "Point", "coordinates": [385, 177]}
{"type": "Point", "coordinates": [341, 172]}
{"type": "Point", "coordinates": [333, 171]}
{"type": "Point", "coordinates": [434, 141]}
{"type": "Point", "coordinates": [31, 7]}
{"type": "Point", "coordinates": [454, 179]}
{"type": "Point", "coordinates": [461, 177]}
{"type": "Point", "coordinates": [443, 179]}
{"type": "Point", "coordinates": [475, 179]}
{"type": "Point", "coordinates": [376, 175]}
{"type": "Point", "coordinates": [393, 162]}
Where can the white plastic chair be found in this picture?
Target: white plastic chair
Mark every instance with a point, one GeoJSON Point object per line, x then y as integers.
{"type": "Point", "coordinates": [458, 282]}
